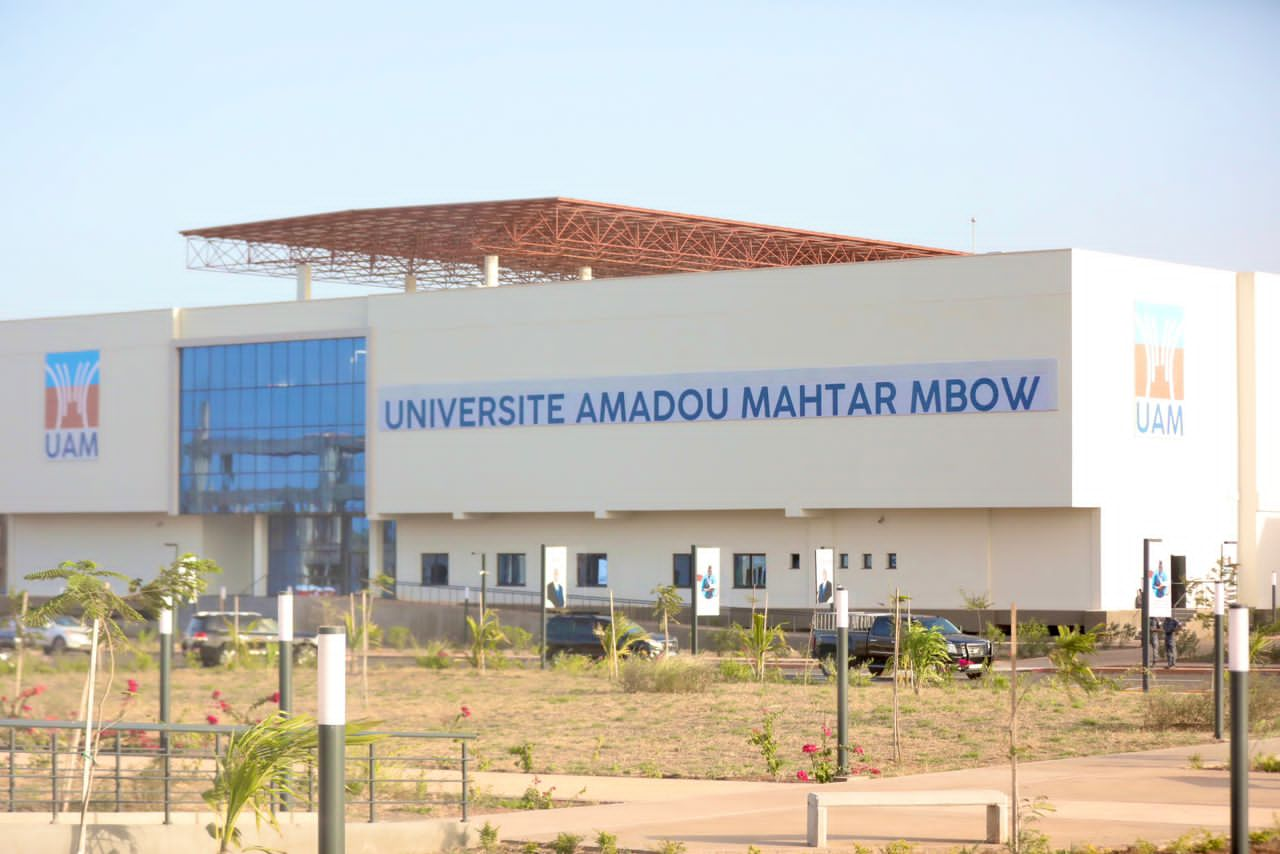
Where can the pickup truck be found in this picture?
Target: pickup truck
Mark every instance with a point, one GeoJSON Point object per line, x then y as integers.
{"type": "Point", "coordinates": [209, 634]}
{"type": "Point", "coordinates": [872, 642]}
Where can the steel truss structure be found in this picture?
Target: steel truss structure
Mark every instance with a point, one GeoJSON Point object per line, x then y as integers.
{"type": "Point", "coordinates": [535, 240]}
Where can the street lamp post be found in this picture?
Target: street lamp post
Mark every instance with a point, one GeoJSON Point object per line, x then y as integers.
{"type": "Point", "coordinates": [1238, 662]}
{"type": "Point", "coordinates": [842, 679]}
{"type": "Point", "coordinates": [331, 718]}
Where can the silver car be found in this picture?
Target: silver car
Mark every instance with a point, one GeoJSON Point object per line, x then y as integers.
{"type": "Point", "coordinates": [63, 634]}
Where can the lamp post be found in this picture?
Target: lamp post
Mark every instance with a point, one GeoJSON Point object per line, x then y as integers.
{"type": "Point", "coordinates": [1147, 635]}
{"type": "Point", "coordinates": [331, 719]}
{"type": "Point", "coordinates": [284, 627]}
{"type": "Point", "coordinates": [842, 679]}
{"type": "Point", "coordinates": [1218, 597]}
{"type": "Point", "coordinates": [693, 600]}
{"type": "Point", "coordinates": [1238, 662]}
{"type": "Point", "coordinates": [166, 673]}
{"type": "Point", "coordinates": [1273, 598]}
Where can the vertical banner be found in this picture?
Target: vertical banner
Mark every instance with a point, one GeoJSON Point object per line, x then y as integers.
{"type": "Point", "coordinates": [824, 563]}
{"type": "Point", "coordinates": [1159, 580]}
{"type": "Point", "coordinates": [556, 590]}
{"type": "Point", "coordinates": [706, 565]}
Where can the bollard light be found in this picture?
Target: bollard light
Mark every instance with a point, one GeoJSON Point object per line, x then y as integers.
{"type": "Point", "coordinates": [284, 616]}
{"type": "Point", "coordinates": [841, 603]}
{"type": "Point", "coordinates": [165, 620]}
{"type": "Point", "coordinates": [284, 629]}
{"type": "Point", "coordinates": [842, 608]}
{"type": "Point", "coordinates": [331, 717]}
{"type": "Point", "coordinates": [1218, 599]}
{"type": "Point", "coordinates": [1238, 662]}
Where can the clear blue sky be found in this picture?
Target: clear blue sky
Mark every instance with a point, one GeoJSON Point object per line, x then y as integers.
{"type": "Point", "coordinates": [1146, 128]}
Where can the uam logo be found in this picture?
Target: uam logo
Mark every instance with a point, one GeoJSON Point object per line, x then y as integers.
{"type": "Point", "coordinates": [1159, 384]}
{"type": "Point", "coordinates": [71, 405]}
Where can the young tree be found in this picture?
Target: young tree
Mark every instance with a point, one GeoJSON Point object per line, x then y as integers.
{"type": "Point", "coordinates": [924, 655]}
{"type": "Point", "coordinates": [485, 637]}
{"type": "Point", "coordinates": [759, 642]}
{"type": "Point", "coordinates": [87, 590]}
{"type": "Point", "coordinates": [666, 608]}
{"type": "Point", "coordinates": [619, 639]}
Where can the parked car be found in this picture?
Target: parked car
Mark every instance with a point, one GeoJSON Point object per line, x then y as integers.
{"type": "Point", "coordinates": [209, 633]}
{"type": "Point", "coordinates": [576, 633]}
{"type": "Point", "coordinates": [874, 645]}
{"type": "Point", "coordinates": [63, 634]}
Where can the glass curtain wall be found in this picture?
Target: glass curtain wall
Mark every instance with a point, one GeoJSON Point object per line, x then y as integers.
{"type": "Point", "coordinates": [279, 428]}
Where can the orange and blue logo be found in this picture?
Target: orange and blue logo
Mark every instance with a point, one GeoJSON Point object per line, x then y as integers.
{"type": "Point", "coordinates": [71, 403]}
{"type": "Point", "coordinates": [1159, 368]}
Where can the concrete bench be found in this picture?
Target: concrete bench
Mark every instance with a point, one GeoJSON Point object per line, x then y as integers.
{"type": "Point", "coordinates": [997, 804]}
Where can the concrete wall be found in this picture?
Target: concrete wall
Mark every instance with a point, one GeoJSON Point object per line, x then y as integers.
{"type": "Point", "coordinates": [132, 543]}
{"type": "Point", "coordinates": [1180, 488]}
{"type": "Point", "coordinates": [1038, 558]}
{"type": "Point", "coordinates": [932, 310]}
{"type": "Point", "coordinates": [1259, 382]}
{"type": "Point", "coordinates": [138, 433]}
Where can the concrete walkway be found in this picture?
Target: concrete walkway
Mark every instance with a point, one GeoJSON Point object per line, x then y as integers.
{"type": "Point", "coordinates": [1104, 800]}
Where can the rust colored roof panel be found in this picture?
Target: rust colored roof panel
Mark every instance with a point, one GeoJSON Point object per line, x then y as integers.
{"type": "Point", "coordinates": [534, 239]}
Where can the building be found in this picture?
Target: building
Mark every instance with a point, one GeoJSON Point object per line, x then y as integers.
{"type": "Point", "coordinates": [1014, 425]}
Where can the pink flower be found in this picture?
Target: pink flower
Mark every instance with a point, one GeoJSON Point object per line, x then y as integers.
{"type": "Point", "coordinates": [38, 690]}
{"type": "Point", "coordinates": [875, 771]}
{"type": "Point", "coordinates": [132, 686]}
{"type": "Point", "coordinates": [857, 749]}
{"type": "Point", "coordinates": [212, 719]}
{"type": "Point", "coordinates": [802, 776]}
{"type": "Point", "coordinates": [466, 711]}
{"type": "Point", "coordinates": [26, 708]}
{"type": "Point", "coordinates": [275, 696]}
{"type": "Point", "coordinates": [826, 731]}
{"type": "Point", "coordinates": [810, 748]}
{"type": "Point", "coordinates": [217, 695]}
{"type": "Point", "coordinates": [963, 662]}
{"type": "Point", "coordinates": [224, 706]}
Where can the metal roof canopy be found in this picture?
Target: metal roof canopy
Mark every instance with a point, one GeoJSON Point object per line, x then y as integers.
{"type": "Point", "coordinates": [535, 240]}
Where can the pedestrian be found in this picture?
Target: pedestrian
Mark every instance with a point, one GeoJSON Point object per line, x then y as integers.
{"type": "Point", "coordinates": [1153, 628]}
{"type": "Point", "coordinates": [1171, 626]}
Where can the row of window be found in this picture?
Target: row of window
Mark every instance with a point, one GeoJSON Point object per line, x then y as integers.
{"type": "Point", "coordinates": [274, 364]}
{"type": "Point", "coordinates": [749, 569]}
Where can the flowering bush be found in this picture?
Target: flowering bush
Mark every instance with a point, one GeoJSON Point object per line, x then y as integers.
{"type": "Point", "coordinates": [219, 705]}
{"type": "Point", "coordinates": [822, 762]}
{"type": "Point", "coordinates": [764, 738]}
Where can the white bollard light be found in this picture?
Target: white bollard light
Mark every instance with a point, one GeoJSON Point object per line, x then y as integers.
{"type": "Point", "coordinates": [284, 616]}
{"type": "Point", "coordinates": [331, 715]}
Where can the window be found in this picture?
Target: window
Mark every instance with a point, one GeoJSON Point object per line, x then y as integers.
{"type": "Point", "coordinates": [795, 560]}
{"type": "Point", "coordinates": [276, 427]}
{"type": "Point", "coordinates": [844, 560]}
{"type": "Point", "coordinates": [680, 570]}
{"type": "Point", "coordinates": [748, 570]}
{"type": "Point", "coordinates": [435, 570]}
{"type": "Point", "coordinates": [593, 570]}
{"type": "Point", "coordinates": [510, 570]}
{"type": "Point", "coordinates": [866, 560]}
{"type": "Point", "coordinates": [893, 560]}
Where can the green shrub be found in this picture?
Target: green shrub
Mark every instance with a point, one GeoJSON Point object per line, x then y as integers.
{"type": "Point", "coordinates": [665, 676]}
{"type": "Point", "coordinates": [568, 662]}
{"type": "Point", "coordinates": [607, 842]}
{"type": "Point", "coordinates": [1033, 639]}
{"type": "Point", "coordinates": [566, 843]}
{"type": "Point", "coordinates": [520, 639]}
{"type": "Point", "coordinates": [1179, 711]}
{"type": "Point", "coordinates": [720, 641]}
{"type": "Point", "coordinates": [434, 657]}
{"type": "Point", "coordinates": [670, 846]}
{"type": "Point", "coordinates": [399, 637]}
{"type": "Point", "coordinates": [735, 671]}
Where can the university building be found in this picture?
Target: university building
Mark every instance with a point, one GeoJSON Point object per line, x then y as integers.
{"type": "Point", "coordinates": [628, 383]}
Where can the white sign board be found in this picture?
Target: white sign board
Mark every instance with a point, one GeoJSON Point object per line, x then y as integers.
{"type": "Point", "coordinates": [824, 563]}
{"type": "Point", "coordinates": [706, 581]}
{"type": "Point", "coordinates": [1159, 581]}
{"type": "Point", "coordinates": [557, 576]}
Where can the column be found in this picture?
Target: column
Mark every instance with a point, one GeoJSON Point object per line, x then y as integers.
{"type": "Point", "coordinates": [491, 271]}
{"type": "Point", "coordinates": [261, 555]}
{"type": "Point", "coordinates": [584, 273]}
{"type": "Point", "coordinates": [410, 283]}
{"type": "Point", "coordinates": [304, 282]}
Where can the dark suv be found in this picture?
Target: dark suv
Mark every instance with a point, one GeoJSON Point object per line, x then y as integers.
{"type": "Point", "coordinates": [576, 633]}
{"type": "Point", "coordinates": [210, 634]}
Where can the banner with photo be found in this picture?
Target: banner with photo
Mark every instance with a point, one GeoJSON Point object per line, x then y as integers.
{"type": "Point", "coordinates": [824, 564]}
{"type": "Point", "coordinates": [1159, 581]}
{"type": "Point", "coordinates": [706, 581]}
{"type": "Point", "coordinates": [556, 593]}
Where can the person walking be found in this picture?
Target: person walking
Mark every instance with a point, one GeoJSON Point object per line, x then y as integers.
{"type": "Point", "coordinates": [1171, 626]}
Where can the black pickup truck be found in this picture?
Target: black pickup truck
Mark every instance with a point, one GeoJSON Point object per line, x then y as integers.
{"type": "Point", "coordinates": [576, 633]}
{"type": "Point", "coordinates": [210, 634]}
{"type": "Point", "coordinates": [874, 643]}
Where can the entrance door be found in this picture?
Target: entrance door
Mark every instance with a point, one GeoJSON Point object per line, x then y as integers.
{"type": "Point", "coordinates": [1178, 580]}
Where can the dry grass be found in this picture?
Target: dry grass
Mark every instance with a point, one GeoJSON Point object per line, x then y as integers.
{"type": "Point", "coordinates": [582, 723]}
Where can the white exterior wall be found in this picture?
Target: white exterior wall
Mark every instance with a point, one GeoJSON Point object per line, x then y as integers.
{"type": "Point", "coordinates": [930, 310]}
{"type": "Point", "coordinates": [138, 431]}
{"type": "Point", "coordinates": [1181, 489]}
{"type": "Point", "coordinates": [132, 544]}
{"type": "Point", "coordinates": [940, 552]}
{"type": "Point", "coordinates": [1259, 296]}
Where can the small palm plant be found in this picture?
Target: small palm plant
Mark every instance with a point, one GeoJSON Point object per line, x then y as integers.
{"type": "Point", "coordinates": [666, 609]}
{"type": "Point", "coordinates": [257, 766]}
{"type": "Point", "coordinates": [486, 635]}
{"type": "Point", "coordinates": [759, 642]}
{"type": "Point", "coordinates": [924, 655]}
{"type": "Point", "coordinates": [1067, 657]}
{"type": "Point", "coordinates": [619, 639]}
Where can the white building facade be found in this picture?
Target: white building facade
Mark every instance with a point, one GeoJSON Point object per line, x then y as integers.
{"type": "Point", "coordinates": [1008, 425]}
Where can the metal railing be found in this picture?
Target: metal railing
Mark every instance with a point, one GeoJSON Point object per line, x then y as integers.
{"type": "Point", "coordinates": [152, 767]}
{"type": "Point", "coordinates": [496, 596]}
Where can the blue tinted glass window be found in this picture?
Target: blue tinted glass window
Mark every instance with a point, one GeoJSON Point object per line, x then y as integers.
{"type": "Point", "coordinates": [276, 427]}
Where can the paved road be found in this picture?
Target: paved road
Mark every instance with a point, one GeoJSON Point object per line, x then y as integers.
{"type": "Point", "coordinates": [1107, 800]}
